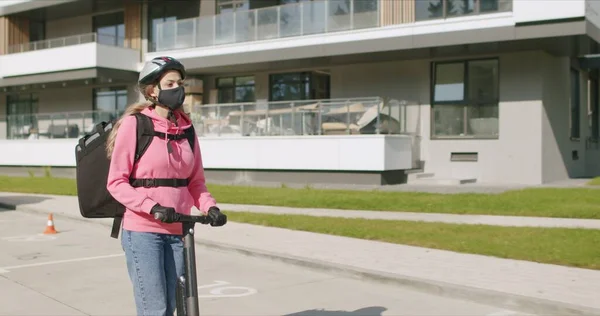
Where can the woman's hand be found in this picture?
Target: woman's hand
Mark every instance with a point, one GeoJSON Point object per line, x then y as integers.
{"type": "Point", "coordinates": [217, 218]}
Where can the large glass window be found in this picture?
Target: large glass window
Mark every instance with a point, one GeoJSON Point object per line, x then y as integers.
{"type": "Point", "coordinates": [21, 110]}
{"type": "Point", "coordinates": [575, 105]}
{"type": "Point", "coordinates": [160, 11]}
{"type": "Point", "coordinates": [594, 106]}
{"type": "Point", "coordinates": [465, 99]}
{"type": "Point", "coordinates": [109, 103]}
{"type": "Point", "coordinates": [437, 9]}
{"type": "Point", "coordinates": [299, 86]}
{"type": "Point", "coordinates": [110, 28]}
{"type": "Point", "coordinates": [236, 89]}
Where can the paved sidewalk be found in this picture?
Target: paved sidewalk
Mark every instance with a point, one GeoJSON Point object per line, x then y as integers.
{"type": "Point", "coordinates": [516, 221]}
{"type": "Point", "coordinates": [538, 288]}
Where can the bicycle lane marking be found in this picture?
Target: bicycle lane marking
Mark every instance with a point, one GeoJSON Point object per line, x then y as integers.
{"type": "Point", "coordinates": [220, 287]}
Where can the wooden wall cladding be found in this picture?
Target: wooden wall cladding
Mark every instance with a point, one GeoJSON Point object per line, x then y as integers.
{"type": "Point", "coordinates": [397, 11]}
{"type": "Point", "coordinates": [14, 30]}
{"type": "Point", "coordinates": [133, 24]}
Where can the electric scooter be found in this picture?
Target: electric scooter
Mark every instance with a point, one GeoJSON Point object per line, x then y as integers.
{"type": "Point", "coordinates": [187, 285]}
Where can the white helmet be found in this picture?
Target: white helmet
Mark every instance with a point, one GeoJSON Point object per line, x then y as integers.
{"type": "Point", "coordinates": [155, 68]}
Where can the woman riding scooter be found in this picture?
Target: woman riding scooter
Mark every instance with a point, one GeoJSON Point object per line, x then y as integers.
{"type": "Point", "coordinates": [153, 248]}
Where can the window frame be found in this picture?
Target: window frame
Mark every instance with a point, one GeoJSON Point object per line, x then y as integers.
{"type": "Point", "coordinates": [117, 92]}
{"type": "Point", "coordinates": [118, 24]}
{"type": "Point", "coordinates": [233, 87]}
{"type": "Point", "coordinates": [594, 103]}
{"type": "Point", "coordinates": [575, 105]}
{"type": "Point", "coordinates": [476, 10]}
{"type": "Point", "coordinates": [465, 102]}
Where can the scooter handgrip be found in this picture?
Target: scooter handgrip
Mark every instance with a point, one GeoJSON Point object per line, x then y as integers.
{"type": "Point", "coordinates": [159, 216]}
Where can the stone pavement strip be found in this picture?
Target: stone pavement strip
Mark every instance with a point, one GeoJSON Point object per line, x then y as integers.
{"type": "Point", "coordinates": [531, 287]}
{"type": "Point", "coordinates": [517, 221]}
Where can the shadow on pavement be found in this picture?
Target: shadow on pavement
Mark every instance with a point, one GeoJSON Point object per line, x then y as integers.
{"type": "Point", "coordinates": [9, 202]}
{"type": "Point", "coordinates": [367, 311]}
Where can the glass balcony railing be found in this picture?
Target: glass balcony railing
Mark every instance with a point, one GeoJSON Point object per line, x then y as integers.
{"type": "Point", "coordinates": [372, 115]}
{"type": "Point", "coordinates": [105, 39]}
{"type": "Point", "coordinates": [309, 17]}
{"type": "Point", "coordinates": [55, 125]}
{"type": "Point", "coordinates": [297, 19]}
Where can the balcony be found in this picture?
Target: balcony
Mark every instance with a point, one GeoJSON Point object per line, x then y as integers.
{"type": "Point", "coordinates": [359, 134]}
{"type": "Point", "coordinates": [316, 17]}
{"type": "Point", "coordinates": [297, 19]}
{"type": "Point", "coordinates": [57, 125]}
{"type": "Point", "coordinates": [67, 53]}
{"type": "Point", "coordinates": [353, 116]}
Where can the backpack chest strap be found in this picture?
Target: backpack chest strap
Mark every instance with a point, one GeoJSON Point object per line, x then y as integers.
{"type": "Point", "coordinates": [158, 182]}
{"type": "Point", "coordinates": [162, 135]}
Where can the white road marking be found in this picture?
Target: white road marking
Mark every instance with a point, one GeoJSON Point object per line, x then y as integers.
{"type": "Point", "coordinates": [506, 313]}
{"type": "Point", "coordinates": [36, 237]}
{"type": "Point", "coordinates": [7, 269]}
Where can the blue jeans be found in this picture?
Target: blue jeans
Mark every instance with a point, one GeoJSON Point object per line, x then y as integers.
{"type": "Point", "coordinates": [154, 263]}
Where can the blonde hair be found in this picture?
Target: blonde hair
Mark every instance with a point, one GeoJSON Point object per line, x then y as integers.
{"type": "Point", "coordinates": [130, 110]}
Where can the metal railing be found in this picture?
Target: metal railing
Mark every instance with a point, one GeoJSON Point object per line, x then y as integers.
{"type": "Point", "coordinates": [352, 116]}
{"type": "Point", "coordinates": [297, 19]}
{"type": "Point", "coordinates": [55, 125]}
{"type": "Point", "coordinates": [67, 41]}
{"type": "Point", "coordinates": [373, 115]}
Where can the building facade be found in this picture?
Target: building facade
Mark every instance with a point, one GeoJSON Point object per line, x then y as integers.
{"type": "Point", "coordinates": [344, 91]}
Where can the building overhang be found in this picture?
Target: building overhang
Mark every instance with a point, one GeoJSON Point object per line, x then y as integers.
{"type": "Point", "coordinates": [64, 78]}
{"type": "Point", "coordinates": [15, 6]}
{"type": "Point", "coordinates": [489, 29]}
{"type": "Point", "coordinates": [589, 62]}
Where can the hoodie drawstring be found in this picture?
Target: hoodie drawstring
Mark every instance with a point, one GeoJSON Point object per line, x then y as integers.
{"type": "Point", "coordinates": [167, 140]}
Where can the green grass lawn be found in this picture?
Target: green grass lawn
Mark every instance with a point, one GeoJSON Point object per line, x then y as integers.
{"type": "Point", "coordinates": [568, 247]}
{"type": "Point", "coordinates": [594, 182]}
{"type": "Point", "coordinates": [549, 202]}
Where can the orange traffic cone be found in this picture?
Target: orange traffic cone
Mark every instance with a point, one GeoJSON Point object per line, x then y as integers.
{"type": "Point", "coordinates": [50, 226]}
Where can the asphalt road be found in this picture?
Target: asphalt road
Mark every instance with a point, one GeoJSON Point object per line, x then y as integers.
{"type": "Point", "coordinates": [81, 271]}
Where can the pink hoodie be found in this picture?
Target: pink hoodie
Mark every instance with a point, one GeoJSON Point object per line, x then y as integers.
{"type": "Point", "coordinates": [156, 162]}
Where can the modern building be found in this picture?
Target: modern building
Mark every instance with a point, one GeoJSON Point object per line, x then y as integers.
{"type": "Point", "coordinates": [321, 91]}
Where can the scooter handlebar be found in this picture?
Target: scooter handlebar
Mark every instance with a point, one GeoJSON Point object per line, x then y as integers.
{"type": "Point", "coordinates": [203, 219]}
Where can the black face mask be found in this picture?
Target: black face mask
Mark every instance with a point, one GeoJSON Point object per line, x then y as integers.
{"type": "Point", "coordinates": [172, 98]}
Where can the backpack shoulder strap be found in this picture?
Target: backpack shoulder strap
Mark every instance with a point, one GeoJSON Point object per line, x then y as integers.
{"type": "Point", "coordinates": [190, 134]}
{"type": "Point", "coordinates": [145, 134]}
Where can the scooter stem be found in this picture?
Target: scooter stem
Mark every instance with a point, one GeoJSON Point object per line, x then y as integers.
{"type": "Point", "coordinates": [189, 256]}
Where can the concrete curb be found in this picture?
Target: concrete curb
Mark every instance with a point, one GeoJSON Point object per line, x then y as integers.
{"type": "Point", "coordinates": [478, 295]}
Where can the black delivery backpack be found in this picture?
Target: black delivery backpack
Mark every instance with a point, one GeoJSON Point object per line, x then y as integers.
{"type": "Point", "coordinates": [92, 166]}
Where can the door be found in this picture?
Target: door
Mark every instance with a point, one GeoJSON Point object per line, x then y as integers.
{"type": "Point", "coordinates": [592, 140]}
{"type": "Point", "coordinates": [20, 111]}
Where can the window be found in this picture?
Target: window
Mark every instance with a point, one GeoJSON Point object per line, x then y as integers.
{"type": "Point", "coordinates": [160, 11]}
{"type": "Point", "coordinates": [109, 103]}
{"type": "Point", "coordinates": [110, 28]}
{"type": "Point", "coordinates": [575, 105]}
{"type": "Point", "coordinates": [441, 9]}
{"type": "Point", "coordinates": [226, 6]}
{"type": "Point", "coordinates": [594, 106]}
{"type": "Point", "coordinates": [21, 110]}
{"type": "Point", "coordinates": [299, 86]}
{"type": "Point", "coordinates": [37, 30]}
{"type": "Point", "coordinates": [465, 99]}
{"type": "Point", "coordinates": [235, 89]}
